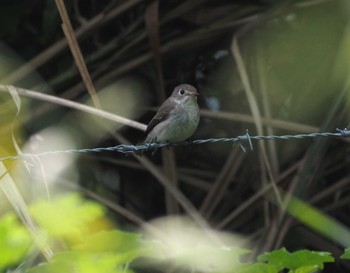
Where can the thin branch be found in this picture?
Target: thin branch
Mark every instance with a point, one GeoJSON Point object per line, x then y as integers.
{"type": "Point", "coordinates": [76, 52]}
{"type": "Point", "coordinates": [75, 105]}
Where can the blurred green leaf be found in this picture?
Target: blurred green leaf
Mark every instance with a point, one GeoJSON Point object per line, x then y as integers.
{"type": "Point", "coordinates": [126, 245]}
{"type": "Point", "coordinates": [66, 216]}
{"type": "Point", "coordinates": [114, 240]}
{"type": "Point", "coordinates": [306, 269]}
{"type": "Point", "coordinates": [257, 268]}
{"type": "Point", "coordinates": [78, 262]}
{"type": "Point", "coordinates": [14, 241]}
{"type": "Point", "coordinates": [346, 255]}
{"type": "Point", "coordinates": [319, 221]}
{"type": "Point", "coordinates": [293, 261]}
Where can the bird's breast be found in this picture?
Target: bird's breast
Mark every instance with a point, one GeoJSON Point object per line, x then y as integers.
{"type": "Point", "coordinates": [179, 125]}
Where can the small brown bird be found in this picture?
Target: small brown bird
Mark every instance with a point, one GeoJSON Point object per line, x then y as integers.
{"type": "Point", "coordinates": [177, 118]}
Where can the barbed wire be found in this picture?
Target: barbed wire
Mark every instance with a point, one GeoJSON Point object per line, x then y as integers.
{"type": "Point", "coordinates": [152, 146]}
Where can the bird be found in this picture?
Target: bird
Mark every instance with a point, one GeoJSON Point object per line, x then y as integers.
{"type": "Point", "coordinates": [176, 119]}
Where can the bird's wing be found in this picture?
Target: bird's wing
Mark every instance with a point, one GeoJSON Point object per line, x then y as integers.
{"type": "Point", "coordinates": [162, 114]}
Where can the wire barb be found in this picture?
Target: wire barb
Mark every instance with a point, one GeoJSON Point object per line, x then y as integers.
{"type": "Point", "coordinates": [345, 132]}
{"type": "Point", "coordinates": [153, 145]}
{"type": "Point", "coordinates": [245, 137]}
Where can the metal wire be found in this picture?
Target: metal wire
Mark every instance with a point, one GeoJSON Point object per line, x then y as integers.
{"type": "Point", "coordinates": [127, 149]}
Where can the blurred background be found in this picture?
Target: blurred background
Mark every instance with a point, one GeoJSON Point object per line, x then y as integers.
{"type": "Point", "coordinates": [266, 66]}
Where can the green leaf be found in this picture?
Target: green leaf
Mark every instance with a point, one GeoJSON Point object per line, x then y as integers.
{"type": "Point", "coordinates": [78, 262]}
{"type": "Point", "coordinates": [66, 216]}
{"type": "Point", "coordinates": [14, 241]}
{"type": "Point", "coordinates": [114, 240]}
{"type": "Point", "coordinates": [126, 245]}
{"type": "Point", "coordinates": [319, 221]}
{"type": "Point", "coordinates": [346, 255]}
{"type": "Point", "coordinates": [302, 258]}
{"type": "Point", "coordinates": [257, 268]}
{"type": "Point", "coordinates": [306, 269]}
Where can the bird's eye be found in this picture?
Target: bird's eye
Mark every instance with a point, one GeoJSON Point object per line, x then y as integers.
{"type": "Point", "coordinates": [181, 91]}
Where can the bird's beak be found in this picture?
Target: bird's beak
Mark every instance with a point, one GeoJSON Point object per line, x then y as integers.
{"type": "Point", "coordinates": [194, 94]}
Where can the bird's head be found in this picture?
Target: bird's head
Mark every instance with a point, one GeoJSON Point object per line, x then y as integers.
{"type": "Point", "coordinates": [185, 93]}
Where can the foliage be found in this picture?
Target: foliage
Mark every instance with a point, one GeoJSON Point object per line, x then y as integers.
{"type": "Point", "coordinates": [114, 250]}
{"type": "Point", "coordinates": [299, 261]}
{"type": "Point", "coordinates": [346, 254]}
{"type": "Point", "coordinates": [71, 261]}
{"type": "Point", "coordinates": [66, 217]}
{"type": "Point", "coordinates": [14, 241]}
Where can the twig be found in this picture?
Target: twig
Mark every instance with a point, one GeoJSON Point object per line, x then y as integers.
{"type": "Point", "coordinates": [76, 52]}
{"type": "Point", "coordinates": [75, 105]}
